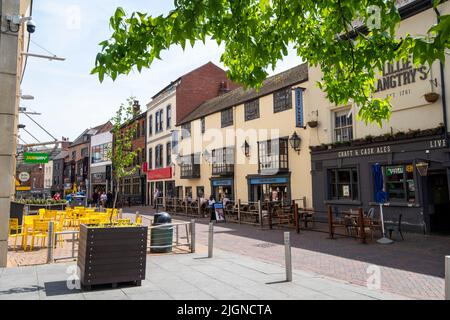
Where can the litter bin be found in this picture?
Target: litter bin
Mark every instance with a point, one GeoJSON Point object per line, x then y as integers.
{"type": "Point", "coordinates": [162, 236]}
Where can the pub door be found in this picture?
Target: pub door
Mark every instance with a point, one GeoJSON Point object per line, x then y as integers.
{"type": "Point", "coordinates": [439, 203]}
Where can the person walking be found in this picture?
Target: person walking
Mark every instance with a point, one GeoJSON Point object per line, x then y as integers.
{"type": "Point", "coordinates": [103, 199]}
{"type": "Point", "coordinates": [95, 198]}
{"type": "Point", "coordinates": [109, 199]}
{"type": "Point", "coordinates": [155, 198]}
{"type": "Point", "coordinates": [211, 203]}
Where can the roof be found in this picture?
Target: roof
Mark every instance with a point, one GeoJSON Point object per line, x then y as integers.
{"type": "Point", "coordinates": [238, 96]}
{"type": "Point", "coordinates": [90, 132]}
{"type": "Point", "coordinates": [179, 78]}
{"type": "Point", "coordinates": [61, 155]}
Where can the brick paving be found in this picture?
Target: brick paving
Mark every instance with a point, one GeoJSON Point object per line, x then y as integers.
{"type": "Point", "coordinates": [413, 267]}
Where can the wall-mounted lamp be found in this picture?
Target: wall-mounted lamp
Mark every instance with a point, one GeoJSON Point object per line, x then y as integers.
{"type": "Point", "coordinates": [246, 148]}
{"type": "Point", "coordinates": [295, 140]}
{"type": "Point", "coordinates": [422, 168]}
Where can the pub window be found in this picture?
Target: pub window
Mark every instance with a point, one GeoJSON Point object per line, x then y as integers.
{"type": "Point", "coordinates": [273, 155]}
{"type": "Point", "coordinates": [168, 154]}
{"type": "Point", "coordinates": [159, 156]}
{"type": "Point", "coordinates": [200, 192]}
{"type": "Point", "coordinates": [252, 110]}
{"type": "Point", "coordinates": [202, 124]}
{"type": "Point", "coordinates": [343, 184]}
{"type": "Point", "coordinates": [150, 125]}
{"type": "Point", "coordinates": [223, 161]}
{"type": "Point", "coordinates": [282, 100]}
{"type": "Point", "coordinates": [188, 191]}
{"type": "Point", "coordinates": [169, 116]}
{"type": "Point", "coordinates": [399, 183]}
{"type": "Point", "coordinates": [343, 126]}
{"type": "Point", "coordinates": [127, 186]}
{"type": "Point", "coordinates": [185, 130]}
{"type": "Point", "coordinates": [159, 121]}
{"type": "Point", "coordinates": [227, 117]}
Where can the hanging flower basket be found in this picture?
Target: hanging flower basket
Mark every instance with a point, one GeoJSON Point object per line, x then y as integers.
{"type": "Point", "coordinates": [431, 96]}
{"type": "Point", "coordinates": [313, 124]}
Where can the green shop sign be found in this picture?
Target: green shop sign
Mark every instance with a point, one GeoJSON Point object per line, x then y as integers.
{"type": "Point", "coordinates": [390, 171]}
{"type": "Point", "coordinates": [35, 157]}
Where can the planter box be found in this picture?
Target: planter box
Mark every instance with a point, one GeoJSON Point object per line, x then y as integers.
{"type": "Point", "coordinates": [111, 255]}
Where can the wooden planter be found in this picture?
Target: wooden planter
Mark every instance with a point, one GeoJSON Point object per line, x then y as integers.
{"type": "Point", "coordinates": [112, 255]}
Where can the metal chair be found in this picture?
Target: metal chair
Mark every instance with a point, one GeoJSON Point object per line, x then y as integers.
{"type": "Point", "coordinates": [397, 228]}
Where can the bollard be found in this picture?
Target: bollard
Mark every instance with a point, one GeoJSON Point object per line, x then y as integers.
{"type": "Point", "coordinates": [287, 252]}
{"type": "Point", "coordinates": [193, 235]}
{"type": "Point", "coordinates": [199, 207]}
{"type": "Point", "coordinates": [296, 218]}
{"type": "Point", "coordinates": [50, 242]}
{"type": "Point", "coordinates": [137, 217]}
{"type": "Point", "coordinates": [447, 278]}
{"type": "Point", "coordinates": [210, 239]}
{"type": "Point", "coordinates": [330, 223]}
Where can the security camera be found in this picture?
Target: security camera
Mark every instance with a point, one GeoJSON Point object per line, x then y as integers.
{"type": "Point", "coordinates": [31, 26]}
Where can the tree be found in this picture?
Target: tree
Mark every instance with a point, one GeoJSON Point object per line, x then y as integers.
{"type": "Point", "coordinates": [348, 39]}
{"type": "Point", "coordinates": [122, 154]}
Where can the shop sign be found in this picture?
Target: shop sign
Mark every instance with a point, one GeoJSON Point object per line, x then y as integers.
{"type": "Point", "coordinates": [390, 171]}
{"type": "Point", "coordinates": [98, 177]}
{"type": "Point", "coordinates": [35, 157]}
{"type": "Point", "coordinates": [369, 151]}
{"type": "Point", "coordinates": [23, 188]}
{"type": "Point", "coordinates": [268, 180]}
{"type": "Point", "coordinates": [24, 176]}
{"type": "Point", "coordinates": [157, 174]}
{"type": "Point", "coordinates": [217, 183]}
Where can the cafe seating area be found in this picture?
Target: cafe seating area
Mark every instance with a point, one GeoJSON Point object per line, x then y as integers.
{"type": "Point", "coordinates": [34, 230]}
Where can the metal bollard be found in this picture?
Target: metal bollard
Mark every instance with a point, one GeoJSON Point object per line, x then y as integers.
{"type": "Point", "coordinates": [50, 242]}
{"type": "Point", "coordinates": [193, 235]}
{"type": "Point", "coordinates": [260, 217]}
{"type": "Point", "coordinates": [210, 239]}
{"type": "Point", "coordinates": [447, 278]}
{"type": "Point", "coordinates": [287, 252]}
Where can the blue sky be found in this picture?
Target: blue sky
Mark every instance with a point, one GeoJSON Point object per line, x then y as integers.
{"type": "Point", "coordinates": [69, 98]}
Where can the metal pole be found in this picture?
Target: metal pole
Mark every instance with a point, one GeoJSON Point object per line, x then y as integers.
{"type": "Point", "coordinates": [210, 239]}
{"type": "Point", "coordinates": [447, 278]}
{"type": "Point", "coordinates": [193, 235]}
{"type": "Point", "coordinates": [260, 213]}
{"type": "Point", "coordinates": [177, 230]}
{"type": "Point", "coordinates": [288, 260]}
{"type": "Point", "coordinates": [73, 244]}
{"type": "Point", "coordinates": [50, 242]}
{"type": "Point", "coordinates": [239, 211]}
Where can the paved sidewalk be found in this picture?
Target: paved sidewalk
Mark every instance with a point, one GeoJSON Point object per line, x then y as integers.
{"type": "Point", "coordinates": [227, 276]}
{"type": "Point", "coordinates": [413, 267]}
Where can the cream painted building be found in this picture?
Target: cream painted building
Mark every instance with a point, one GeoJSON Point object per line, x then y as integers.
{"type": "Point", "coordinates": [412, 147]}
{"type": "Point", "coordinates": [165, 110]}
{"type": "Point", "coordinates": [238, 145]}
{"type": "Point", "coordinates": [13, 41]}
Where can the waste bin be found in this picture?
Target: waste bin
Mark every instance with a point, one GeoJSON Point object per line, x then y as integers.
{"type": "Point", "coordinates": [162, 236]}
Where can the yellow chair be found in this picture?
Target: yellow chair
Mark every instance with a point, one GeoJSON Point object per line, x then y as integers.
{"type": "Point", "coordinates": [40, 231]}
{"type": "Point", "coordinates": [59, 227]}
{"type": "Point", "coordinates": [15, 231]}
{"type": "Point", "coordinates": [139, 221]}
{"type": "Point", "coordinates": [124, 221]}
{"type": "Point", "coordinates": [42, 212]}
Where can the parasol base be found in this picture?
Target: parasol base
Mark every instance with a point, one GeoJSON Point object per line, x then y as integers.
{"type": "Point", "coordinates": [385, 240]}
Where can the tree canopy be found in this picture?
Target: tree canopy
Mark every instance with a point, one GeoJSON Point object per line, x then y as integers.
{"type": "Point", "coordinates": [348, 39]}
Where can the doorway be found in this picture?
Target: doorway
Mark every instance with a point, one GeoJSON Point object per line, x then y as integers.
{"type": "Point", "coordinates": [439, 203]}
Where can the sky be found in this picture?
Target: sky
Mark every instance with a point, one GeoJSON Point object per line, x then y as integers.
{"type": "Point", "coordinates": [67, 96]}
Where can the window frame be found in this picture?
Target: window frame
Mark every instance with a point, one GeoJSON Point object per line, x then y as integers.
{"type": "Point", "coordinates": [248, 116]}
{"type": "Point", "coordinates": [169, 116]}
{"type": "Point", "coordinates": [226, 117]}
{"type": "Point", "coordinates": [347, 127]}
{"type": "Point", "coordinates": [280, 103]}
{"type": "Point", "coordinates": [150, 125]}
{"type": "Point", "coordinates": [168, 154]}
{"type": "Point", "coordinates": [334, 195]}
{"type": "Point", "coordinates": [404, 182]}
{"type": "Point", "coordinates": [266, 153]}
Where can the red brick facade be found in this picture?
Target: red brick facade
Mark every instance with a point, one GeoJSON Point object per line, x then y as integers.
{"type": "Point", "coordinates": [198, 86]}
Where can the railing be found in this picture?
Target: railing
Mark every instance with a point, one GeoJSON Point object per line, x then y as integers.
{"type": "Point", "coordinates": [165, 237]}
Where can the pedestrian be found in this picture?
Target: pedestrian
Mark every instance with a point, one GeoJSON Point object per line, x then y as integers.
{"type": "Point", "coordinates": [225, 200]}
{"type": "Point", "coordinates": [95, 198]}
{"type": "Point", "coordinates": [103, 199]}
{"type": "Point", "coordinates": [211, 203]}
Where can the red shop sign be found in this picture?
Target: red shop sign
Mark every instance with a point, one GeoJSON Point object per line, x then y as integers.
{"type": "Point", "coordinates": [163, 173]}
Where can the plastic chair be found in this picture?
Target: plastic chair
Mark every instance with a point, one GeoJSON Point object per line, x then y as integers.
{"type": "Point", "coordinates": [124, 221]}
{"type": "Point", "coordinates": [40, 231]}
{"type": "Point", "coordinates": [139, 221]}
{"type": "Point", "coordinates": [15, 231]}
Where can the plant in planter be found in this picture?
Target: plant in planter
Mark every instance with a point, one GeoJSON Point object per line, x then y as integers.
{"type": "Point", "coordinates": [313, 123]}
{"type": "Point", "coordinates": [431, 97]}
{"type": "Point", "coordinates": [399, 135]}
{"type": "Point", "coordinates": [113, 253]}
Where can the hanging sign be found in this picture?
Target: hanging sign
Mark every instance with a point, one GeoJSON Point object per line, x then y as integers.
{"type": "Point", "coordinates": [35, 157]}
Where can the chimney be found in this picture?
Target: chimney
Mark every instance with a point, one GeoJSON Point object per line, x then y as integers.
{"type": "Point", "coordinates": [136, 107]}
{"type": "Point", "coordinates": [65, 143]}
{"type": "Point", "coordinates": [224, 87]}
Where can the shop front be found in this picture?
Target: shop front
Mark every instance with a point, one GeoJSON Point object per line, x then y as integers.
{"type": "Point", "coordinates": [415, 175]}
{"type": "Point", "coordinates": [221, 188]}
{"type": "Point", "coordinates": [161, 179]}
{"type": "Point", "coordinates": [269, 188]}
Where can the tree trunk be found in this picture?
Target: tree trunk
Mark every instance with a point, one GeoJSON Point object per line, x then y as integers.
{"type": "Point", "coordinates": [115, 200]}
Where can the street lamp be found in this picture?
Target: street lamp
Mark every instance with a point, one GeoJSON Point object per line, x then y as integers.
{"type": "Point", "coordinates": [26, 97]}
{"type": "Point", "coordinates": [207, 156]}
{"type": "Point", "coordinates": [246, 148]}
{"type": "Point", "coordinates": [21, 126]}
{"type": "Point", "coordinates": [295, 140]}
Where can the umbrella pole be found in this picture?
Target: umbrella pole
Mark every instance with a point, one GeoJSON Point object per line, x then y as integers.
{"type": "Point", "coordinates": [383, 240]}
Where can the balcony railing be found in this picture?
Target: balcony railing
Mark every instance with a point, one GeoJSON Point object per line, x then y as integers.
{"type": "Point", "coordinates": [190, 167]}
{"type": "Point", "coordinates": [222, 169]}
